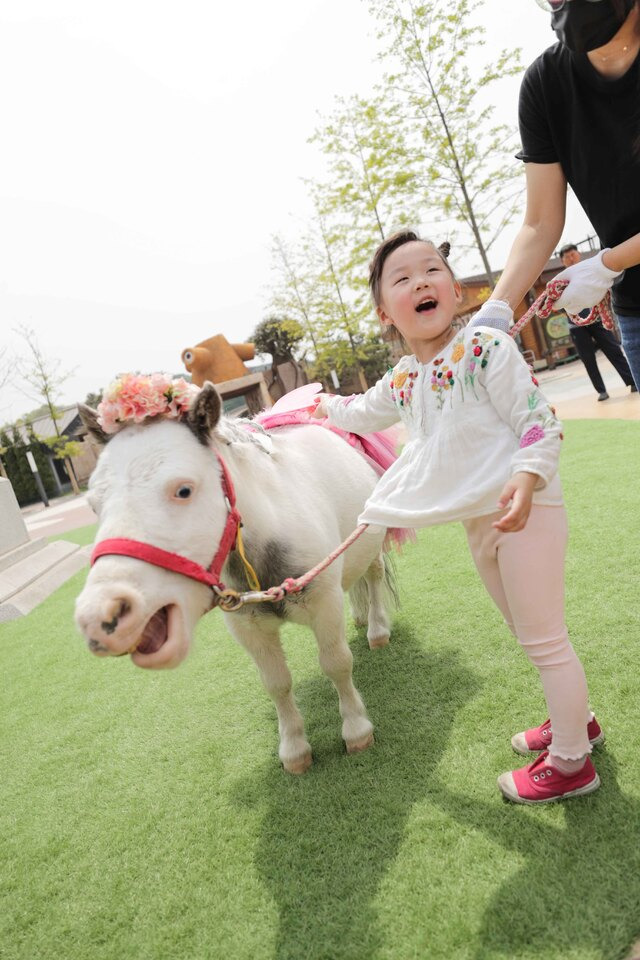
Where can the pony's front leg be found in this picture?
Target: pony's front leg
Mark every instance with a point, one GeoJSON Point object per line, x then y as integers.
{"type": "Point", "coordinates": [336, 661]}
{"type": "Point", "coordinates": [260, 638]}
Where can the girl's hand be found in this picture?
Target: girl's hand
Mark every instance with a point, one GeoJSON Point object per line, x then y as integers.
{"type": "Point", "coordinates": [519, 492]}
{"type": "Point", "coordinates": [320, 410]}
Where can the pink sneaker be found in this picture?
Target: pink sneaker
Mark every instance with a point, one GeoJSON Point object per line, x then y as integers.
{"type": "Point", "coordinates": [542, 783]}
{"type": "Point", "coordinates": [539, 738]}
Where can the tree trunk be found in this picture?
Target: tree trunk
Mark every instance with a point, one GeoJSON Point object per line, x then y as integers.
{"type": "Point", "coordinates": [72, 476]}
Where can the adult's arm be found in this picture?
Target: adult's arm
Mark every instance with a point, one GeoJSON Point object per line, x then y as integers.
{"type": "Point", "coordinates": [624, 255]}
{"type": "Point", "coordinates": [537, 238]}
{"type": "Point", "coordinates": [539, 233]}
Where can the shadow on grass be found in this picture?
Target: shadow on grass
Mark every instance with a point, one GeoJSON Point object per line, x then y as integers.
{"type": "Point", "coordinates": [329, 837]}
{"type": "Point", "coordinates": [578, 891]}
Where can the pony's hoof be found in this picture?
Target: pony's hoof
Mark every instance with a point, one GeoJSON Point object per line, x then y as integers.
{"type": "Point", "coordinates": [301, 765]}
{"type": "Point", "coordinates": [357, 746]}
{"type": "Point", "coordinates": [376, 642]}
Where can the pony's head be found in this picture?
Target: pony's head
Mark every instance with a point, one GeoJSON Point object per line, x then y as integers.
{"type": "Point", "coordinates": [158, 482]}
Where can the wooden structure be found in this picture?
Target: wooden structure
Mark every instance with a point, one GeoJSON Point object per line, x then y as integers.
{"type": "Point", "coordinates": [252, 388]}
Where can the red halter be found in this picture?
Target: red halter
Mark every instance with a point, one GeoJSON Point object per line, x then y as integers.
{"type": "Point", "coordinates": [124, 547]}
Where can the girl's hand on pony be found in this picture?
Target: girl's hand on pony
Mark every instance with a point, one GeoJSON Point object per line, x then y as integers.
{"type": "Point", "coordinates": [320, 410]}
{"type": "Point", "coordinates": [518, 491]}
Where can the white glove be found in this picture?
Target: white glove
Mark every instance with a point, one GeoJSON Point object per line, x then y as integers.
{"type": "Point", "coordinates": [493, 313]}
{"type": "Point", "coordinates": [589, 281]}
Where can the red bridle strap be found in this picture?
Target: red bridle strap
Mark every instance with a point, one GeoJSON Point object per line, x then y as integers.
{"type": "Point", "coordinates": [124, 547]}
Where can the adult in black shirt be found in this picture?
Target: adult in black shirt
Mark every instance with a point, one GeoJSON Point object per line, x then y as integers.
{"type": "Point", "coordinates": [579, 119]}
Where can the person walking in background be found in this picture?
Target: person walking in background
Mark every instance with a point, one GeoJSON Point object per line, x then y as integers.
{"type": "Point", "coordinates": [588, 337]}
{"type": "Point", "coordinates": [579, 115]}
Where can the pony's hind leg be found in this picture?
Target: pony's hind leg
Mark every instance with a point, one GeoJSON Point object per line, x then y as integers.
{"type": "Point", "coordinates": [260, 638]}
{"type": "Point", "coordinates": [378, 622]}
{"type": "Point", "coordinates": [336, 661]}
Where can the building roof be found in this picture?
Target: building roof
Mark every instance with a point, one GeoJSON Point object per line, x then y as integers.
{"type": "Point", "coordinates": [43, 425]}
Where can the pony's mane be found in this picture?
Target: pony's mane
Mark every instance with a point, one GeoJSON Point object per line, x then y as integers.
{"type": "Point", "coordinates": [243, 430]}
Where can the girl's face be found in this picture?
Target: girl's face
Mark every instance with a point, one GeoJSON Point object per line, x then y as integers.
{"type": "Point", "coordinates": [418, 296]}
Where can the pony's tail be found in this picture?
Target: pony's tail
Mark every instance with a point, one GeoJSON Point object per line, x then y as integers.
{"type": "Point", "coordinates": [359, 592]}
{"type": "Point", "coordinates": [391, 580]}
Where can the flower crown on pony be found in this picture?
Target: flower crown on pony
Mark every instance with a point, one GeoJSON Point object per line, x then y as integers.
{"type": "Point", "coordinates": [133, 398]}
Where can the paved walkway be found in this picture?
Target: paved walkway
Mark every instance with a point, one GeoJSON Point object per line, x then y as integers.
{"type": "Point", "coordinates": [570, 391]}
{"type": "Point", "coordinates": [63, 514]}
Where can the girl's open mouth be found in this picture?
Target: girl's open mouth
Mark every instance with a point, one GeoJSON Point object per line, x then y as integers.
{"type": "Point", "coordinates": [426, 305]}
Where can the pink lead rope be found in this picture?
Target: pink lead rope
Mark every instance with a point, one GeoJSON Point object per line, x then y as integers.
{"type": "Point", "coordinates": [545, 305]}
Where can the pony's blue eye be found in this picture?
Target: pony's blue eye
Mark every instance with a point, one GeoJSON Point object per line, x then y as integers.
{"type": "Point", "coordinates": [184, 491]}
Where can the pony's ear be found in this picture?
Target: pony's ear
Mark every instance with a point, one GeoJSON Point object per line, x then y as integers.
{"type": "Point", "coordinates": [89, 417]}
{"type": "Point", "coordinates": [204, 413]}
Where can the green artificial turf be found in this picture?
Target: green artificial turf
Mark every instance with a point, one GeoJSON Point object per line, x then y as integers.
{"type": "Point", "coordinates": [145, 815]}
{"type": "Point", "coordinates": [82, 535]}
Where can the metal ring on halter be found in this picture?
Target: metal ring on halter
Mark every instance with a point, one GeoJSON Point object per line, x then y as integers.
{"type": "Point", "coordinates": [229, 600]}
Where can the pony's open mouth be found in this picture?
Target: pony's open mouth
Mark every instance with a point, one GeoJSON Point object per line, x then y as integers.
{"type": "Point", "coordinates": [155, 634]}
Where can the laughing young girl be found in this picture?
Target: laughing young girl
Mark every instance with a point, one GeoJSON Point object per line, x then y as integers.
{"type": "Point", "coordinates": [483, 447]}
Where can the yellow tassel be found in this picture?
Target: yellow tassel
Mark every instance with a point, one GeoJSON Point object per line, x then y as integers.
{"type": "Point", "coordinates": [254, 583]}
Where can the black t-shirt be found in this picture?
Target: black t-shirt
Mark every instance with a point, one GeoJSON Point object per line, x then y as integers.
{"type": "Point", "coordinates": [571, 115]}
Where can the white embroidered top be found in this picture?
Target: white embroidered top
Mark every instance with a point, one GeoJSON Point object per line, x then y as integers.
{"type": "Point", "coordinates": [474, 416]}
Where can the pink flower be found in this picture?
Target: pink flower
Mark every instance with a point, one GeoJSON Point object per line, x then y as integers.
{"type": "Point", "coordinates": [133, 398]}
{"type": "Point", "coordinates": [532, 435]}
{"type": "Point", "coordinates": [180, 394]}
{"type": "Point", "coordinates": [107, 417]}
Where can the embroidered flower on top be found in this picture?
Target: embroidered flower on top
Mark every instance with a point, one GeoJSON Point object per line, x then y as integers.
{"type": "Point", "coordinates": [442, 380]}
{"type": "Point", "coordinates": [401, 384]}
{"type": "Point", "coordinates": [458, 352]}
{"type": "Point", "coordinates": [480, 346]}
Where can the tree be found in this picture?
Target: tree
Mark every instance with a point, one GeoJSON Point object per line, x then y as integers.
{"type": "Point", "coordinates": [93, 399]}
{"type": "Point", "coordinates": [279, 336]}
{"type": "Point", "coordinates": [336, 355]}
{"type": "Point", "coordinates": [317, 284]}
{"type": "Point", "coordinates": [5, 369]}
{"type": "Point", "coordinates": [368, 186]}
{"type": "Point", "coordinates": [44, 378]}
{"type": "Point", "coordinates": [292, 295]}
{"type": "Point", "coordinates": [42, 462]}
{"type": "Point", "coordinates": [14, 453]}
{"type": "Point", "coordinates": [311, 287]}
{"type": "Point", "coordinates": [455, 154]}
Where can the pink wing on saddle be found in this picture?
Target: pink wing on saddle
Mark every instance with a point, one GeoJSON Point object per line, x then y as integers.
{"type": "Point", "coordinates": [378, 449]}
{"type": "Point", "coordinates": [302, 398]}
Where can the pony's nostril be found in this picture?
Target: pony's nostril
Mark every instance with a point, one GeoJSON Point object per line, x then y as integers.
{"type": "Point", "coordinates": [110, 626]}
{"type": "Point", "coordinates": [125, 607]}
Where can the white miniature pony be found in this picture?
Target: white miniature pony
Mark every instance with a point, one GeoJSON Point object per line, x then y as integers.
{"type": "Point", "coordinates": [299, 492]}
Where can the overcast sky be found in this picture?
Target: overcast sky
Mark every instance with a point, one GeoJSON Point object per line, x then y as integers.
{"type": "Point", "coordinates": [150, 151]}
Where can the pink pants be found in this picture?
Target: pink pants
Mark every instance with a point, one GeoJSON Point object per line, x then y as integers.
{"type": "Point", "coordinates": [524, 574]}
